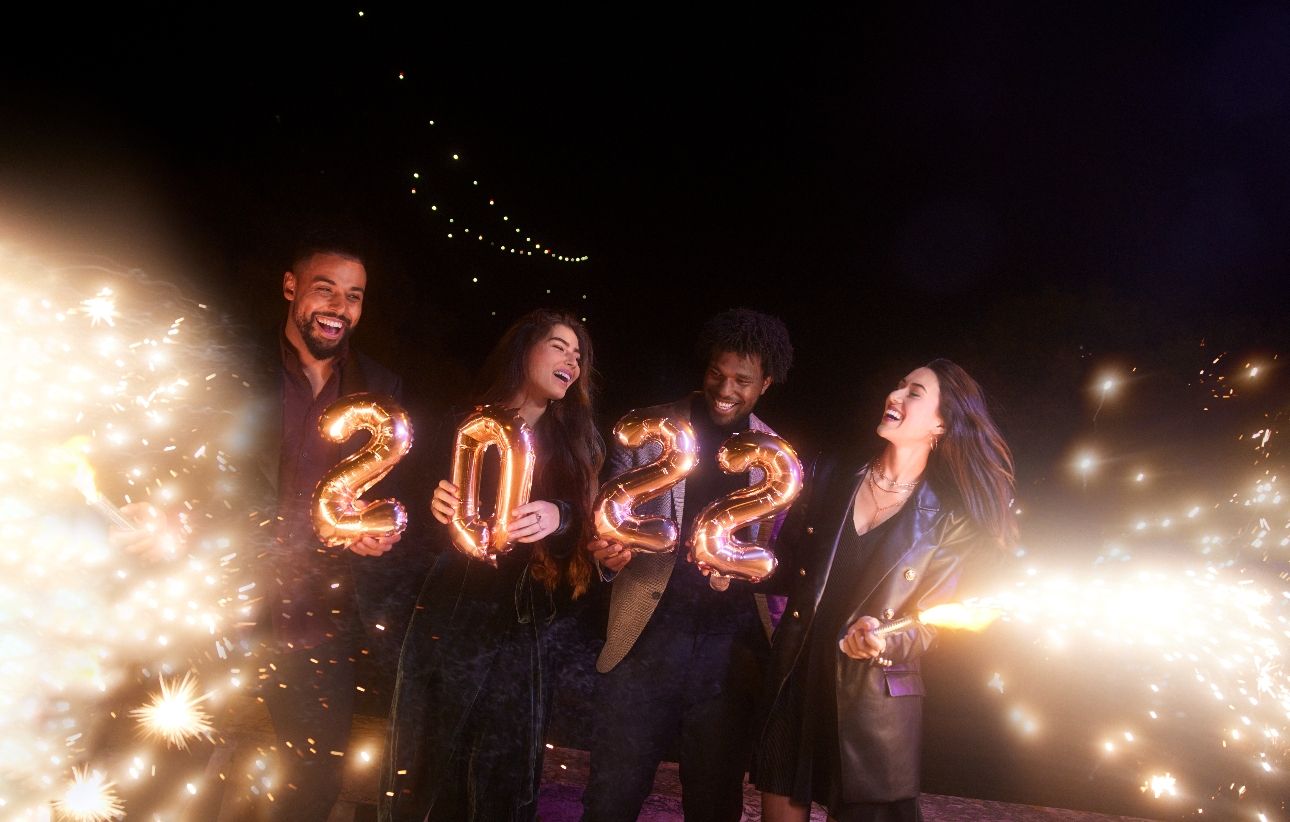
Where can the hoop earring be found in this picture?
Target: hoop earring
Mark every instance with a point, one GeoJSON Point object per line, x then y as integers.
{"type": "Point", "coordinates": [935, 440]}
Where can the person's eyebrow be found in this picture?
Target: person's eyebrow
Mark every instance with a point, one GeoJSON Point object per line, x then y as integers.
{"type": "Point", "coordinates": [330, 281]}
{"type": "Point", "coordinates": [919, 385]}
{"type": "Point", "coordinates": [566, 342]}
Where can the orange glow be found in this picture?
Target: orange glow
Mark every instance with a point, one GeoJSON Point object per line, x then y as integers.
{"type": "Point", "coordinates": [958, 616]}
{"type": "Point", "coordinates": [72, 453]}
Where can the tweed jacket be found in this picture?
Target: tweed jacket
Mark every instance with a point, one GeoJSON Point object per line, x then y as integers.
{"type": "Point", "coordinates": [641, 582]}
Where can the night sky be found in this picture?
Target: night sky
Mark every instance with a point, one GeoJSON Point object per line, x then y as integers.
{"type": "Point", "coordinates": [1046, 194]}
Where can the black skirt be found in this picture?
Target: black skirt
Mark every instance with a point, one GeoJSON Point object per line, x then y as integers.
{"type": "Point", "coordinates": [798, 755]}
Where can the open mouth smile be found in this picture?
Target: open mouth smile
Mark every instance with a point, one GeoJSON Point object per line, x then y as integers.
{"type": "Point", "coordinates": [564, 376]}
{"type": "Point", "coordinates": [723, 406]}
{"type": "Point", "coordinates": [330, 326]}
{"type": "Point", "coordinates": [892, 414]}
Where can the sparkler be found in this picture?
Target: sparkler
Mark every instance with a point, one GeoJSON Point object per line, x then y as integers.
{"type": "Point", "coordinates": [952, 615]}
{"type": "Point", "coordinates": [83, 481]}
{"type": "Point", "coordinates": [175, 714]}
{"type": "Point", "coordinates": [139, 381]}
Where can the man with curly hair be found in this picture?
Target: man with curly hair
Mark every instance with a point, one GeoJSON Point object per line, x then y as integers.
{"type": "Point", "coordinates": [682, 662]}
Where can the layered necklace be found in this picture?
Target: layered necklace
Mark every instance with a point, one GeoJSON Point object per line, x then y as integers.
{"type": "Point", "coordinates": [900, 489]}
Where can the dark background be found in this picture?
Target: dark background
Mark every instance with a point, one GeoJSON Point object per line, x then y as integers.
{"type": "Point", "coordinates": [1050, 195]}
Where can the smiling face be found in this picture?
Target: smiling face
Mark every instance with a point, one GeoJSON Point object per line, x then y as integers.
{"type": "Point", "coordinates": [732, 385]}
{"type": "Point", "coordinates": [912, 414]}
{"type": "Point", "coordinates": [553, 364]}
{"type": "Point", "coordinates": [326, 296]}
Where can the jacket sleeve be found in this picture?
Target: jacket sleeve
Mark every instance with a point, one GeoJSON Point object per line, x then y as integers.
{"type": "Point", "coordinates": [563, 541]}
{"type": "Point", "coordinates": [959, 539]}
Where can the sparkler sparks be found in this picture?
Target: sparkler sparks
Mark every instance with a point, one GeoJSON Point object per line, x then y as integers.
{"type": "Point", "coordinates": [90, 798]}
{"type": "Point", "coordinates": [175, 714]}
{"type": "Point", "coordinates": [113, 378]}
{"type": "Point", "coordinates": [101, 308]}
{"type": "Point", "coordinates": [1161, 784]}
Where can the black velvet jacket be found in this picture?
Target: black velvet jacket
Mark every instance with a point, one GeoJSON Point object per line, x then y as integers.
{"type": "Point", "coordinates": [469, 616]}
{"type": "Point", "coordinates": [915, 566]}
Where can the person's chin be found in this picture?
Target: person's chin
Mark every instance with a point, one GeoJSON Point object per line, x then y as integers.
{"type": "Point", "coordinates": [722, 419]}
{"type": "Point", "coordinates": [556, 392]}
{"type": "Point", "coordinates": [322, 348]}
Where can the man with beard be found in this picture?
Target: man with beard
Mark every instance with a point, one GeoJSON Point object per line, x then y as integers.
{"type": "Point", "coordinates": [311, 588]}
{"type": "Point", "coordinates": [682, 658]}
{"type": "Point", "coordinates": [313, 593]}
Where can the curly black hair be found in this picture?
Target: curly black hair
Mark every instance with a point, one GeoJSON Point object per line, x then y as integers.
{"type": "Point", "coordinates": [749, 333]}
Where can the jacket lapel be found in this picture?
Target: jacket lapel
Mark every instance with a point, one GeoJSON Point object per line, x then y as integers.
{"type": "Point", "coordinates": [835, 508]}
{"type": "Point", "coordinates": [681, 410]}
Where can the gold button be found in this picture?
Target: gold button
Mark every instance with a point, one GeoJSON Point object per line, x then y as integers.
{"type": "Point", "coordinates": [888, 614]}
{"type": "Point", "coordinates": [795, 615]}
{"type": "Point", "coordinates": [810, 529]}
{"type": "Point", "coordinates": [801, 572]}
{"type": "Point", "coordinates": [909, 573]}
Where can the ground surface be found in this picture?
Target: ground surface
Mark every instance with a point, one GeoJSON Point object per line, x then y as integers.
{"type": "Point", "coordinates": [245, 723]}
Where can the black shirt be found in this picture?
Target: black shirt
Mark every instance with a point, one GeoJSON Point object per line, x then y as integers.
{"type": "Point", "coordinates": [690, 603]}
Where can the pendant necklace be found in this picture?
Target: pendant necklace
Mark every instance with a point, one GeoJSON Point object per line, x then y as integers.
{"type": "Point", "coordinates": [901, 489]}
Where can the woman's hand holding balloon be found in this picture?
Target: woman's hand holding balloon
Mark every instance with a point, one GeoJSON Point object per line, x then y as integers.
{"type": "Point", "coordinates": [445, 501]}
{"type": "Point", "coordinates": [532, 521]}
{"type": "Point", "coordinates": [861, 642]}
{"type": "Point", "coordinates": [613, 556]}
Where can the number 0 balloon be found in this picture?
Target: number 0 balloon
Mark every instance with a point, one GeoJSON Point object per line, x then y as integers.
{"type": "Point", "coordinates": [475, 536]}
{"type": "Point", "coordinates": [713, 545]}
{"type": "Point", "coordinates": [338, 515]}
{"type": "Point", "coordinates": [614, 518]}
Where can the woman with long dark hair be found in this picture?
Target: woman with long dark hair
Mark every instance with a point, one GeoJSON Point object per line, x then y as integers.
{"type": "Point", "coordinates": [469, 720]}
{"type": "Point", "coordinates": [877, 540]}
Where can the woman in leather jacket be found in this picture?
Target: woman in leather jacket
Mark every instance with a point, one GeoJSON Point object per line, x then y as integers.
{"type": "Point", "coordinates": [468, 725]}
{"type": "Point", "coordinates": [841, 719]}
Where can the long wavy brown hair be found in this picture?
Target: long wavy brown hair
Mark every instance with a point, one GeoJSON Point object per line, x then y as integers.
{"type": "Point", "coordinates": [569, 449]}
{"type": "Point", "coordinates": [971, 459]}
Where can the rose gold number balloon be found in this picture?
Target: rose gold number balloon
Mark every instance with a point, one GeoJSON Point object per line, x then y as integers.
{"type": "Point", "coordinates": [475, 536]}
{"type": "Point", "coordinates": [713, 545]}
{"type": "Point", "coordinates": [339, 517]}
{"type": "Point", "coordinates": [614, 518]}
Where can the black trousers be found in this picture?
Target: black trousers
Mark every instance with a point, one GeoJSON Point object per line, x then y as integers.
{"type": "Point", "coordinates": [700, 690]}
{"type": "Point", "coordinates": [310, 697]}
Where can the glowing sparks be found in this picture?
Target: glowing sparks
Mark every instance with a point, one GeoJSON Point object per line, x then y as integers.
{"type": "Point", "coordinates": [960, 617]}
{"type": "Point", "coordinates": [101, 308]}
{"type": "Point", "coordinates": [72, 454]}
{"type": "Point", "coordinates": [1161, 785]}
{"type": "Point", "coordinates": [80, 618]}
{"type": "Point", "coordinates": [89, 798]}
{"type": "Point", "coordinates": [175, 714]}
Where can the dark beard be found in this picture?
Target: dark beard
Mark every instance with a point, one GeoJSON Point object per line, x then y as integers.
{"type": "Point", "coordinates": [319, 348]}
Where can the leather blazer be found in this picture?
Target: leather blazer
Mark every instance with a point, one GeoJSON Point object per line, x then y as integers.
{"type": "Point", "coordinates": [916, 565]}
